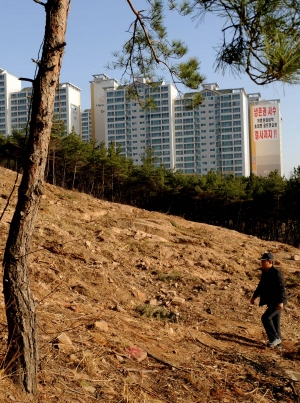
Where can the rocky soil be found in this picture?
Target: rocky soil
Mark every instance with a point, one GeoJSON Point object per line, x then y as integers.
{"type": "Point", "coordinates": [141, 307]}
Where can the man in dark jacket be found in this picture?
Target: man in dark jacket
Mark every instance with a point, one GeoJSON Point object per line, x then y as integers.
{"type": "Point", "coordinates": [271, 291]}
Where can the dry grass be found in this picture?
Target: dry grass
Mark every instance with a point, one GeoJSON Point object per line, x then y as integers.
{"type": "Point", "coordinates": [93, 261]}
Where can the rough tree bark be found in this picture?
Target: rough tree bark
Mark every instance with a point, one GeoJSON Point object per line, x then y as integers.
{"type": "Point", "coordinates": [22, 355]}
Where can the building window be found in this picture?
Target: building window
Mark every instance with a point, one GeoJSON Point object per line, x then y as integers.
{"type": "Point", "coordinates": [226, 124]}
{"type": "Point", "coordinates": [226, 104]}
{"type": "Point", "coordinates": [225, 97]}
{"type": "Point", "coordinates": [226, 117]}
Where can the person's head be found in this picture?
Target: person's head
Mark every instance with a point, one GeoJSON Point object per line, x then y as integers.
{"type": "Point", "coordinates": [266, 260]}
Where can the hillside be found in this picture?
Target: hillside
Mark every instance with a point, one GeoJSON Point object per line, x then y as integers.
{"type": "Point", "coordinates": [115, 279]}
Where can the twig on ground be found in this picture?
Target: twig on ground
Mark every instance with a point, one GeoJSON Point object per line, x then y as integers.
{"type": "Point", "coordinates": [77, 392]}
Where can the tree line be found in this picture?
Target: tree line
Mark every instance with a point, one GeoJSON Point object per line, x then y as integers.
{"type": "Point", "coordinates": [266, 207]}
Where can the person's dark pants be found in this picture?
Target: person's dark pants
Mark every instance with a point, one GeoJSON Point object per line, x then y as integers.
{"type": "Point", "coordinates": [271, 322]}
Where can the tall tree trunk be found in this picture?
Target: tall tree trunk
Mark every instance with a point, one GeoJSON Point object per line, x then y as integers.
{"type": "Point", "coordinates": [53, 166]}
{"type": "Point", "coordinates": [74, 175]}
{"type": "Point", "coordinates": [63, 185]}
{"type": "Point", "coordinates": [22, 355]}
{"type": "Point", "coordinates": [112, 186]}
{"type": "Point", "coordinates": [47, 170]}
{"type": "Point", "coordinates": [103, 181]}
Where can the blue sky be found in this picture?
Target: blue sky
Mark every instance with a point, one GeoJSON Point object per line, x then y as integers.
{"type": "Point", "coordinates": [96, 28]}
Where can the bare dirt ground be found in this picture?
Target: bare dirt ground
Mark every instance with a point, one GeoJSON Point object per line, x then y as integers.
{"type": "Point", "coordinates": [111, 280]}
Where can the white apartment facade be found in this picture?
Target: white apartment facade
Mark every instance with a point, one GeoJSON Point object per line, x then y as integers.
{"type": "Point", "coordinates": [66, 107]}
{"type": "Point", "coordinates": [214, 135]}
{"type": "Point", "coordinates": [119, 119]}
{"type": "Point", "coordinates": [8, 84]}
{"type": "Point", "coordinates": [133, 128]}
{"type": "Point", "coordinates": [86, 125]}
{"type": "Point", "coordinates": [20, 102]}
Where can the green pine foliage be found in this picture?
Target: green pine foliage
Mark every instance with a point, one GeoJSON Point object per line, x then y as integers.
{"type": "Point", "coordinates": [267, 207]}
{"type": "Point", "coordinates": [260, 38]}
{"type": "Point", "coordinates": [149, 49]}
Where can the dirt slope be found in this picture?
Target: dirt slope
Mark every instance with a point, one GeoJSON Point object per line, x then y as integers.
{"type": "Point", "coordinates": [115, 279]}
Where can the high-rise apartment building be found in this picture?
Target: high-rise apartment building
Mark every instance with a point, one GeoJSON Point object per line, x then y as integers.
{"type": "Point", "coordinates": [212, 136]}
{"type": "Point", "coordinates": [217, 135]}
{"type": "Point", "coordinates": [66, 107]}
{"type": "Point", "coordinates": [98, 87]}
{"type": "Point", "coordinates": [20, 102]}
{"type": "Point", "coordinates": [133, 128]}
{"type": "Point", "coordinates": [86, 125]}
{"type": "Point", "coordinates": [265, 135]}
{"type": "Point", "coordinates": [119, 119]}
{"type": "Point", "coordinates": [8, 84]}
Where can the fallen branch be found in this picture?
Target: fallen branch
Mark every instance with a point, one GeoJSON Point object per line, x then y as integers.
{"type": "Point", "coordinates": [168, 364]}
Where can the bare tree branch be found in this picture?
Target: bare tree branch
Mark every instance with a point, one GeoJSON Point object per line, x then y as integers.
{"type": "Point", "coordinates": [26, 79]}
{"type": "Point", "coordinates": [40, 2]}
